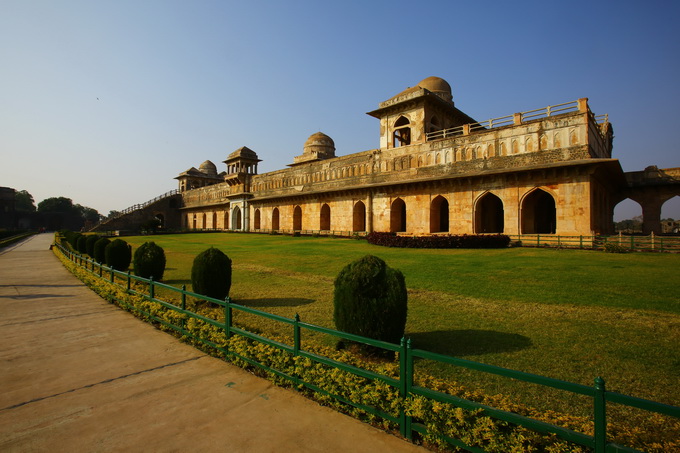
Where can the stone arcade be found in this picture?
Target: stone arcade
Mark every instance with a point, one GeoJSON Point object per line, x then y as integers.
{"type": "Point", "coordinates": [437, 170]}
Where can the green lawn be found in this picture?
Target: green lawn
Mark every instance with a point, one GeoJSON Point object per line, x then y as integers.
{"type": "Point", "coordinates": [567, 314]}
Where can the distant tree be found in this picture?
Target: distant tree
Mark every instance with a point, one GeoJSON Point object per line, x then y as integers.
{"type": "Point", "coordinates": [113, 214]}
{"type": "Point", "coordinates": [59, 213]}
{"type": "Point", "coordinates": [23, 202]}
{"type": "Point", "coordinates": [89, 214]}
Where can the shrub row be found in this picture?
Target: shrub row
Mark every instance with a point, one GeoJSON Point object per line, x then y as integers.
{"type": "Point", "coordinates": [478, 241]}
{"type": "Point", "coordinates": [441, 419]}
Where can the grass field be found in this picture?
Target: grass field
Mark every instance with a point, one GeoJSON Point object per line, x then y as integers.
{"type": "Point", "coordinates": [567, 314]}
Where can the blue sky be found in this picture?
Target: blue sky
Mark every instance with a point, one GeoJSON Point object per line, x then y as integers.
{"type": "Point", "coordinates": [105, 102]}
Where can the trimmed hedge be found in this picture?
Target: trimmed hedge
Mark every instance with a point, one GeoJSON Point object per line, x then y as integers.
{"type": "Point", "coordinates": [118, 255]}
{"type": "Point", "coordinates": [100, 250]}
{"type": "Point", "coordinates": [370, 300]}
{"type": "Point", "coordinates": [465, 241]}
{"type": "Point", "coordinates": [89, 245]}
{"type": "Point", "coordinates": [211, 274]}
{"type": "Point", "coordinates": [149, 261]}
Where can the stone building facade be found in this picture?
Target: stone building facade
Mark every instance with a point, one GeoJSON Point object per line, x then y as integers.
{"type": "Point", "coordinates": [437, 171]}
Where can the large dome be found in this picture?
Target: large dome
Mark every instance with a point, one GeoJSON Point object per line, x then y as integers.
{"type": "Point", "coordinates": [438, 86]}
{"type": "Point", "coordinates": [208, 168]}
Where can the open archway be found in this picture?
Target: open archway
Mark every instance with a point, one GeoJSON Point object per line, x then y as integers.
{"type": "Point", "coordinates": [359, 216]}
{"type": "Point", "coordinates": [489, 215]}
{"type": "Point", "coordinates": [439, 215]}
{"type": "Point", "coordinates": [325, 217]}
{"type": "Point", "coordinates": [539, 215]}
{"type": "Point", "coordinates": [628, 217]}
{"type": "Point", "coordinates": [398, 216]}
{"type": "Point", "coordinates": [256, 219]}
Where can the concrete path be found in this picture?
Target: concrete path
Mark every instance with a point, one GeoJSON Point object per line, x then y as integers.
{"type": "Point", "coordinates": [80, 375]}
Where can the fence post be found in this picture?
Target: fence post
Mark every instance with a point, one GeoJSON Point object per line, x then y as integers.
{"type": "Point", "coordinates": [129, 281]}
{"type": "Point", "coordinates": [580, 243]}
{"type": "Point", "coordinates": [151, 287]}
{"type": "Point", "coordinates": [227, 318]}
{"type": "Point", "coordinates": [538, 240]}
{"type": "Point", "coordinates": [600, 416]}
{"type": "Point", "coordinates": [632, 242]}
{"type": "Point", "coordinates": [112, 275]}
{"type": "Point", "coordinates": [296, 335]}
{"type": "Point", "coordinates": [405, 381]}
{"type": "Point", "coordinates": [184, 307]}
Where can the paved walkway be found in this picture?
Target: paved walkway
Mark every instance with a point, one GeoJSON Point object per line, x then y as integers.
{"type": "Point", "coordinates": [78, 374]}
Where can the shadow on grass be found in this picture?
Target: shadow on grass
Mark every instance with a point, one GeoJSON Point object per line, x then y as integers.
{"type": "Point", "coordinates": [469, 342]}
{"type": "Point", "coordinates": [274, 302]}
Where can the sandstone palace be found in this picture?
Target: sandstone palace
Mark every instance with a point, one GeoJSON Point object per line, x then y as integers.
{"type": "Point", "coordinates": [437, 171]}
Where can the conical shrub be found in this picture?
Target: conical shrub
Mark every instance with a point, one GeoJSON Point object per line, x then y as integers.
{"type": "Point", "coordinates": [149, 261]}
{"type": "Point", "coordinates": [370, 300]}
{"type": "Point", "coordinates": [91, 241]}
{"type": "Point", "coordinates": [211, 274]}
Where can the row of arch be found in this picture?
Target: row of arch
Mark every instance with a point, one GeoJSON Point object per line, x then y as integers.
{"type": "Point", "coordinates": [538, 215]}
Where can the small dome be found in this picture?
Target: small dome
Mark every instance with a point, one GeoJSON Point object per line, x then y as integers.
{"type": "Point", "coordinates": [208, 168]}
{"type": "Point", "coordinates": [319, 140]}
{"type": "Point", "coordinates": [438, 86]}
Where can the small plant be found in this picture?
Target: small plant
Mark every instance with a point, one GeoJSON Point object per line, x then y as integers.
{"type": "Point", "coordinates": [73, 240]}
{"type": "Point", "coordinates": [91, 241]}
{"type": "Point", "coordinates": [611, 247]}
{"type": "Point", "coordinates": [370, 300]}
{"type": "Point", "coordinates": [118, 255]}
{"type": "Point", "coordinates": [100, 250]}
{"type": "Point", "coordinates": [149, 261]}
{"type": "Point", "coordinates": [211, 274]}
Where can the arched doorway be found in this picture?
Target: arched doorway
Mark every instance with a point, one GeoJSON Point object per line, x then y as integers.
{"type": "Point", "coordinates": [539, 213]}
{"type": "Point", "coordinates": [236, 218]}
{"type": "Point", "coordinates": [670, 216]}
{"type": "Point", "coordinates": [256, 219]}
{"type": "Point", "coordinates": [398, 216]}
{"type": "Point", "coordinates": [359, 216]}
{"type": "Point", "coordinates": [226, 220]}
{"type": "Point", "coordinates": [297, 218]}
{"type": "Point", "coordinates": [161, 220]}
{"type": "Point", "coordinates": [325, 218]}
{"type": "Point", "coordinates": [214, 221]}
{"type": "Point", "coordinates": [275, 219]}
{"type": "Point", "coordinates": [439, 215]}
{"type": "Point", "coordinates": [489, 214]}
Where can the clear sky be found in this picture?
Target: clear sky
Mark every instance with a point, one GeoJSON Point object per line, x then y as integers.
{"type": "Point", "coordinates": [105, 102]}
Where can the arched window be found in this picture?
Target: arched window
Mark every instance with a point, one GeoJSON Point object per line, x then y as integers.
{"type": "Point", "coordinates": [398, 216]}
{"type": "Point", "coordinates": [434, 125]}
{"type": "Point", "coordinates": [325, 218]}
{"type": "Point", "coordinates": [538, 213]}
{"type": "Point", "coordinates": [226, 220]}
{"type": "Point", "coordinates": [359, 216]}
{"type": "Point", "coordinates": [402, 132]}
{"type": "Point", "coordinates": [256, 219]}
{"type": "Point", "coordinates": [275, 219]}
{"type": "Point", "coordinates": [489, 214]}
{"type": "Point", "coordinates": [297, 218]}
{"type": "Point", "coordinates": [214, 221]}
{"type": "Point", "coordinates": [204, 225]}
{"type": "Point", "coordinates": [236, 219]}
{"type": "Point", "coordinates": [439, 215]}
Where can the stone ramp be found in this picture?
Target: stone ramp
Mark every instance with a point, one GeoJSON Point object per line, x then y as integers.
{"type": "Point", "coordinates": [78, 374]}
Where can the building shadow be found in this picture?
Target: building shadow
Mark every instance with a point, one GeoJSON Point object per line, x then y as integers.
{"type": "Point", "coordinates": [273, 302]}
{"type": "Point", "coordinates": [469, 342]}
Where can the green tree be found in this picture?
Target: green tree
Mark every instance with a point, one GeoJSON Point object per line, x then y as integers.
{"type": "Point", "coordinates": [23, 202]}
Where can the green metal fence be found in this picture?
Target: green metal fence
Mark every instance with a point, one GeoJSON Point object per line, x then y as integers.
{"type": "Point", "coordinates": [404, 384]}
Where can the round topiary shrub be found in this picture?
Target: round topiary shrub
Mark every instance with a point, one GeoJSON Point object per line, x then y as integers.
{"type": "Point", "coordinates": [73, 240]}
{"type": "Point", "coordinates": [82, 244]}
{"type": "Point", "coordinates": [149, 261]}
{"type": "Point", "coordinates": [91, 241]}
{"type": "Point", "coordinates": [100, 250]}
{"type": "Point", "coordinates": [370, 300]}
{"type": "Point", "coordinates": [211, 274]}
{"type": "Point", "coordinates": [118, 255]}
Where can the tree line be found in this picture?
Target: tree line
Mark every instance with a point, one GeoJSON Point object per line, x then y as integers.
{"type": "Point", "coordinates": [53, 213]}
